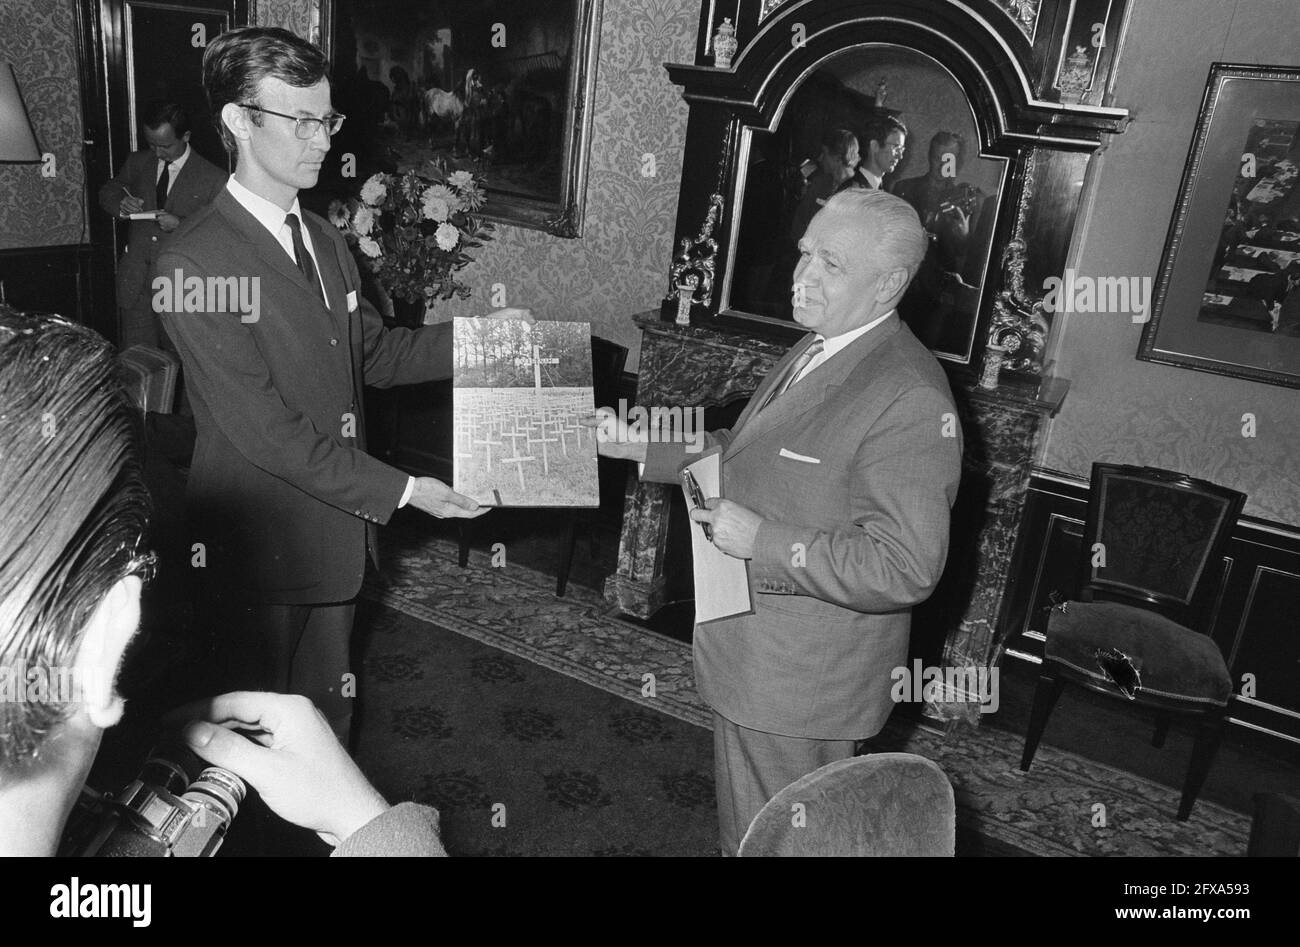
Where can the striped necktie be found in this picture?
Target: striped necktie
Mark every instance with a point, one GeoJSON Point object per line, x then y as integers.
{"type": "Point", "coordinates": [796, 368]}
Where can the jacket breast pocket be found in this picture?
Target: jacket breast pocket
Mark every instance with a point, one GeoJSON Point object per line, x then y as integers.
{"type": "Point", "coordinates": [801, 492]}
{"type": "Point", "coordinates": [800, 467]}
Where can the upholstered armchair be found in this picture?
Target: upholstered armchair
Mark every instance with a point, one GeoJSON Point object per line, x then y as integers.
{"type": "Point", "coordinates": [885, 804]}
{"type": "Point", "coordinates": [1151, 568]}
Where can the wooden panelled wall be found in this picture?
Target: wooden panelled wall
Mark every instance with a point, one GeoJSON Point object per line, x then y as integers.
{"type": "Point", "coordinates": [1257, 617]}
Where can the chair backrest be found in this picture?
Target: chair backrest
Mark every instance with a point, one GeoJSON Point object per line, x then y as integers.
{"type": "Point", "coordinates": [886, 804]}
{"type": "Point", "coordinates": [1155, 538]}
{"type": "Point", "coordinates": [149, 376]}
{"type": "Point", "coordinates": [607, 361]}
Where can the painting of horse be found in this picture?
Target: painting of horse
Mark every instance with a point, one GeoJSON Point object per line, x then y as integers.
{"type": "Point", "coordinates": [487, 87]}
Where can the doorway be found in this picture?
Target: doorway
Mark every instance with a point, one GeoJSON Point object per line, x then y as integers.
{"type": "Point", "coordinates": [142, 51]}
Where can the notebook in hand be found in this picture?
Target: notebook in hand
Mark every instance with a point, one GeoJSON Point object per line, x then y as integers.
{"type": "Point", "coordinates": [721, 581]}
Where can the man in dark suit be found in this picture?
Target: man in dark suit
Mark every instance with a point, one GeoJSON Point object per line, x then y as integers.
{"type": "Point", "coordinates": [885, 139]}
{"type": "Point", "coordinates": [282, 494]}
{"type": "Point", "coordinates": [837, 482]}
{"type": "Point", "coordinates": [837, 161]}
{"type": "Point", "coordinates": [168, 176]}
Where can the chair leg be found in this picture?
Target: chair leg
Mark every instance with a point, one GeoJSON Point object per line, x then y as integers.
{"type": "Point", "coordinates": [462, 542]}
{"type": "Point", "coordinates": [1208, 735]}
{"type": "Point", "coordinates": [1045, 696]}
{"type": "Point", "coordinates": [1161, 731]}
{"type": "Point", "coordinates": [566, 558]}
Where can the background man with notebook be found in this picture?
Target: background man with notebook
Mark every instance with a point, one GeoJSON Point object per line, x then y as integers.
{"type": "Point", "coordinates": [168, 177]}
{"type": "Point", "coordinates": [838, 481]}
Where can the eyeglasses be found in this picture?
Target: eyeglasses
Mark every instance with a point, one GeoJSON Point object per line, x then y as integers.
{"type": "Point", "coordinates": [305, 127]}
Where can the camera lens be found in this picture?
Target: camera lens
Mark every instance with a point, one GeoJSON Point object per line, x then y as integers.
{"type": "Point", "coordinates": [212, 801]}
{"type": "Point", "coordinates": [218, 789]}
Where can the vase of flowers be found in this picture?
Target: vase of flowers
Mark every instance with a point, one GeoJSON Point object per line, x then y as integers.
{"type": "Point", "coordinates": [414, 231]}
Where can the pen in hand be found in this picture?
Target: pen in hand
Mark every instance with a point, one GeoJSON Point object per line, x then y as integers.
{"type": "Point", "coordinates": [129, 197]}
{"type": "Point", "coordinates": [697, 497]}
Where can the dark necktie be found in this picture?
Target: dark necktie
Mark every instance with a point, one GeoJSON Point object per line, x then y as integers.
{"type": "Point", "coordinates": [304, 258]}
{"type": "Point", "coordinates": [160, 194]}
{"type": "Point", "coordinates": [798, 366]}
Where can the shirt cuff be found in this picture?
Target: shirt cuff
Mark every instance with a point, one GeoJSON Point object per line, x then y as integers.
{"type": "Point", "coordinates": [406, 494]}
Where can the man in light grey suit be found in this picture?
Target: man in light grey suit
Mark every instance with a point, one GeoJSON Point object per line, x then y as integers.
{"type": "Point", "coordinates": [838, 480]}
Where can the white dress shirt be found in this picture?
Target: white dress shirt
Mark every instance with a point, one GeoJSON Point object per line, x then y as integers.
{"type": "Point", "coordinates": [836, 344]}
{"type": "Point", "coordinates": [273, 218]}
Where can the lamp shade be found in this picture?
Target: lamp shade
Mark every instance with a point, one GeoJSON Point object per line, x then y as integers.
{"type": "Point", "coordinates": [17, 139]}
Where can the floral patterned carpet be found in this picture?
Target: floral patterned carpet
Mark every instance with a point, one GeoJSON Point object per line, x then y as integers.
{"type": "Point", "coordinates": [521, 761]}
{"type": "Point", "coordinates": [1065, 805]}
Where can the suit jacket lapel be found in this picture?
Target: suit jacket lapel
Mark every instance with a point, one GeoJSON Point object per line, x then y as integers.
{"type": "Point", "coordinates": [810, 391]}
{"type": "Point", "coordinates": [268, 248]}
{"type": "Point", "coordinates": [329, 268]}
{"type": "Point", "coordinates": [747, 424]}
{"type": "Point", "coordinates": [183, 178]}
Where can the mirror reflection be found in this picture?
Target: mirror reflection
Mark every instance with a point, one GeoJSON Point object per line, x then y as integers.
{"type": "Point", "coordinates": [876, 117]}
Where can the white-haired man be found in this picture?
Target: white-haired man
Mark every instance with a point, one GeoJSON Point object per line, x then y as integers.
{"type": "Point", "coordinates": [838, 480]}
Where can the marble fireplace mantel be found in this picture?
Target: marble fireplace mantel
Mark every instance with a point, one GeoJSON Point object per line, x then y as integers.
{"type": "Point", "coordinates": [706, 367]}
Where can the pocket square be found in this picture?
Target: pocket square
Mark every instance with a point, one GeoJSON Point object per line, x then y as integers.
{"type": "Point", "coordinates": [791, 455]}
{"type": "Point", "coordinates": [352, 301]}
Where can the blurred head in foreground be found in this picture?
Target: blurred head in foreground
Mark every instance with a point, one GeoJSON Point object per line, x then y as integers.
{"type": "Point", "coordinates": [73, 512]}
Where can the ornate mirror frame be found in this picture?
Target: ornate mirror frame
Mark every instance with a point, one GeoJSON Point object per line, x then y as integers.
{"type": "Point", "coordinates": [1036, 73]}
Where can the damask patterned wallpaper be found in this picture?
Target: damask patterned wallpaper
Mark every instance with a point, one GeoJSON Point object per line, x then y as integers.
{"type": "Point", "coordinates": [294, 15]}
{"type": "Point", "coordinates": [38, 37]}
{"type": "Point", "coordinates": [1123, 410]}
{"type": "Point", "coordinates": [619, 266]}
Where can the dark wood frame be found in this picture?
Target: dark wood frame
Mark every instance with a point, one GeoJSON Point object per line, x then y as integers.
{"type": "Point", "coordinates": [1009, 73]}
{"type": "Point", "coordinates": [1182, 227]}
{"type": "Point", "coordinates": [565, 217]}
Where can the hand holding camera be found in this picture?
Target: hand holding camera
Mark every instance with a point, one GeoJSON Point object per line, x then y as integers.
{"type": "Point", "coordinates": [284, 748]}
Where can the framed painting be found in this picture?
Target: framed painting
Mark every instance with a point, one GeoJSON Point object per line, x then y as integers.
{"type": "Point", "coordinates": [1227, 298]}
{"type": "Point", "coordinates": [500, 88]}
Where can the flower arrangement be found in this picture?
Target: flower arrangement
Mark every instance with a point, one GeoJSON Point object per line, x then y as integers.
{"type": "Point", "coordinates": [414, 230]}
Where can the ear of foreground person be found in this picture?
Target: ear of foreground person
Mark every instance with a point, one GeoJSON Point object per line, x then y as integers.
{"type": "Point", "coordinates": [73, 516]}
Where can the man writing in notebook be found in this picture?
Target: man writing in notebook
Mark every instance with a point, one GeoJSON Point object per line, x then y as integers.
{"type": "Point", "coordinates": [283, 499]}
{"type": "Point", "coordinates": [838, 481]}
{"type": "Point", "coordinates": [171, 180]}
